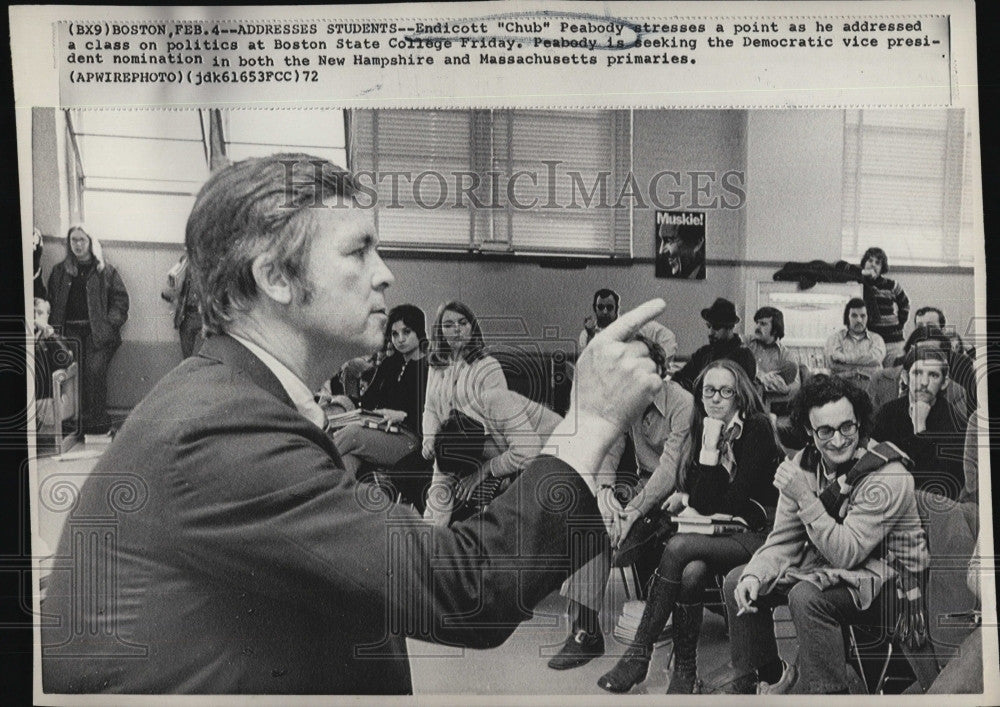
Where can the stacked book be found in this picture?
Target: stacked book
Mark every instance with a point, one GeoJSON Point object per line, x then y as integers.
{"type": "Point", "coordinates": [99, 439]}
{"type": "Point", "coordinates": [628, 623]}
{"type": "Point", "coordinates": [360, 417]}
{"type": "Point", "coordinates": [691, 521]}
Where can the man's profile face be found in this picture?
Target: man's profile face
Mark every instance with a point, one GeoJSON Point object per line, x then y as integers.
{"type": "Point", "coordinates": [928, 318]}
{"type": "Point", "coordinates": [605, 310]}
{"type": "Point", "coordinates": [926, 379]}
{"type": "Point", "coordinates": [762, 330]}
{"type": "Point", "coordinates": [857, 320]}
{"type": "Point", "coordinates": [680, 254]}
{"type": "Point", "coordinates": [718, 333]}
{"type": "Point", "coordinates": [346, 281]}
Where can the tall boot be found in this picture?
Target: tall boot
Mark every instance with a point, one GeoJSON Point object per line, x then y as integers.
{"type": "Point", "coordinates": [687, 628]}
{"type": "Point", "coordinates": [633, 666]}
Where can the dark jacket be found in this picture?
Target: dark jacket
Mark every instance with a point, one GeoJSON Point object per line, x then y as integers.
{"type": "Point", "coordinates": [757, 457]}
{"type": "Point", "coordinates": [107, 301]}
{"type": "Point", "coordinates": [219, 547]}
{"type": "Point", "coordinates": [731, 348]}
{"type": "Point", "coordinates": [399, 385]}
{"type": "Point", "coordinates": [938, 453]}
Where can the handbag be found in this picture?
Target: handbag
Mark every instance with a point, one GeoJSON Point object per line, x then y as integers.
{"type": "Point", "coordinates": [458, 447]}
{"type": "Point", "coordinates": [652, 530]}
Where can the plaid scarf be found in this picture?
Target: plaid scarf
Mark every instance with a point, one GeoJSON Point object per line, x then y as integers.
{"type": "Point", "coordinates": [911, 625]}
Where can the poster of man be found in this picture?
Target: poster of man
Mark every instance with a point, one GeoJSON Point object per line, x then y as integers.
{"type": "Point", "coordinates": [680, 244]}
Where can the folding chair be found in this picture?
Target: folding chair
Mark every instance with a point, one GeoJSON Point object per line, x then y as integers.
{"type": "Point", "coordinates": [65, 405]}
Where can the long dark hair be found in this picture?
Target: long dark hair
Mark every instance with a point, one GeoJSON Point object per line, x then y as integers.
{"type": "Point", "coordinates": [413, 317]}
{"type": "Point", "coordinates": [748, 401]}
{"type": "Point", "coordinates": [440, 353]}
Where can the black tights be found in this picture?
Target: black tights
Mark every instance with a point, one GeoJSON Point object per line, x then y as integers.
{"type": "Point", "coordinates": [692, 559]}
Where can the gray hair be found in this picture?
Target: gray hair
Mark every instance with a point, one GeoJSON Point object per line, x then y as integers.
{"type": "Point", "coordinates": [256, 206]}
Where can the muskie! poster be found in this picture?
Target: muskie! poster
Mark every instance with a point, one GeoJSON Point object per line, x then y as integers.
{"type": "Point", "coordinates": [680, 244]}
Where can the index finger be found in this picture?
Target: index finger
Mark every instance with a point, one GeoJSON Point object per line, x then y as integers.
{"type": "Point", "coordinates": [625, 326]}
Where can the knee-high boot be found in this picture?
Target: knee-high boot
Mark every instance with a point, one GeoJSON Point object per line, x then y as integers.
{"type": "Point", "coordinates": [633, 666]}
{"type": "Point", "coordinates": [687, 628]}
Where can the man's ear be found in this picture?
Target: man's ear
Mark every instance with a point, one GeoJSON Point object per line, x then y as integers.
{"type": "Point", "coordinates": [946, 381]}
{"type": "Point", "coordinates": [271, 280]}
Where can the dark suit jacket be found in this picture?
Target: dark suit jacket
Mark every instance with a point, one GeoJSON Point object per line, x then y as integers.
{"type": "Point", "coordinates": [218, 547]}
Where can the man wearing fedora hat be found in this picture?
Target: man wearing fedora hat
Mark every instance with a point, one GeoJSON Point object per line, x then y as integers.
{"type": "Point", "coordinates": [723, 342]}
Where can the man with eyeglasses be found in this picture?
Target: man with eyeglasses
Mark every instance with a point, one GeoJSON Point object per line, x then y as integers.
{"type": "Point", "coordinates": [846, 529]}
{"type": "Point", "coordinates": [924, 424]}
{"type": "Point", "coordinates": [605, 305]}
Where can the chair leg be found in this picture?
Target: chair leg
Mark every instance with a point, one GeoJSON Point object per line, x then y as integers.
{"type": "Point", "coordinates": [640, 591]}
{"type": "Point", "coordinates": [628, 594]}
{"type": "Point", "coordinates": [880, 685]}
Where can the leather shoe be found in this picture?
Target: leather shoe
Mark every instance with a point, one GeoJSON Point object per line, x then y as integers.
{"type": "Point", "coordinates": [579, 649]}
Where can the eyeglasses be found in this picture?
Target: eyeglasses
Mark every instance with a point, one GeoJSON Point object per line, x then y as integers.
{"type": "Point", "coordinates": [455, 324]}
{"type": "Point", "coordinates": [846, 429]}
{"type": "Point", "coordinates": [604, 307]}
{"type": "Point", "coordinates": [708, 392]}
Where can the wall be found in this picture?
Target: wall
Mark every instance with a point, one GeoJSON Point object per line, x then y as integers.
{"type": "Point", "coordinates": [791, 161]}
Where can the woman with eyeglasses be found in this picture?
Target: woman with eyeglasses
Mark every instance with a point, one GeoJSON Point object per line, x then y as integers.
{"type": "Point", "coordinates": [730, 470]}
{"type": "Point", "coordinates": [460, 373]}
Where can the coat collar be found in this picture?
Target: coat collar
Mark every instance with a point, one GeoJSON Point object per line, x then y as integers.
{"type": "Point", "coordinates": [227, 350]}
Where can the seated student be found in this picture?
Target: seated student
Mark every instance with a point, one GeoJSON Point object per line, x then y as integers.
{"type": "Point", "coordinates": [855, 352]}
{"type": "Point", "coordinates": [51, 354]}
{"type": "Point", "coordinates": [777, 370]}
{"type": "Point", "coordinates": [396, 392]}
{"type": "Point", "coordinates": [460, 369]}
{"type": "Point", "coordinates": [661, 438]}
{"type": "Point", "coordinates": [723, 342]}
{"type": "Point", "coordinates": [730, 469]}
{"type": "Point", "coordinates": [925, 425]}
{"type": "Point", "coordinates": [932, 316]}
{"type": "Point", "coordinates": [889, 383]}
{"type": "Point", "coordinates": [929, 316]}
{"type": "Point", "coordinates": [888, 305]}
{"type": "Point", "coordinates": [506, 432]}
{"type": "Point", "coordinates": [846, 526]}
{"type": "Point", "coordinates": [606, 307]}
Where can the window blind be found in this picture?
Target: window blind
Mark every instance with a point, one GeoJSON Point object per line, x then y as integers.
{"type": "Point", "coordinates": [905, 181]}
{"type": "Point", "coordinates": [548, 181]}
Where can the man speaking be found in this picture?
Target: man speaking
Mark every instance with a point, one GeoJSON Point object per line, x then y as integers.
{"type": "Point", "coordinates": [219, 547]}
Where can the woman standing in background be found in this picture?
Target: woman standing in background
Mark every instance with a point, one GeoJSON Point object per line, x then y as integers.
{"type": "Point", "coordinates": [90, 304]}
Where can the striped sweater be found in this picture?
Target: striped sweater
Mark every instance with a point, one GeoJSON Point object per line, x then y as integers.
{"type": "Point", "coordinates": [883, 297]}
